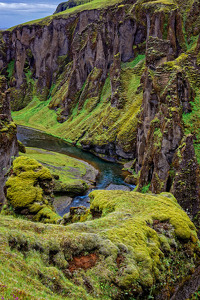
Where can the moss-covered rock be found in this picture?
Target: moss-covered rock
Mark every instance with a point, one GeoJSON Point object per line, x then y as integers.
{"type": "Point", "coordinates": [127, 245]}
{"type": "Point", "coordinates": [21, 147]}
{"type": "Point", "coordinates": [71, 176]}
{"type": "Point", "coordinates": [8, 139]}
{"type": "Point", "coordinates": [29, 190]}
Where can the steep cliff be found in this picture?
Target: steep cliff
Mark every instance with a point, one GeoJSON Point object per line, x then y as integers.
{"type": "Point", "coordinates": [119, 78]}
{"type": "Point", "coordinates": [8, 140]}
{"type": "Point", "coordinates": [171, 87]}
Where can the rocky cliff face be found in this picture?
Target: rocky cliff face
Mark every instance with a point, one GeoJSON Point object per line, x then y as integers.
{"type": "Point", "coordinates": [8, 140]}
{"type": "Point", "coordinates": [169, 90]}
{"type": "Point", "coordinates": [101, 94]}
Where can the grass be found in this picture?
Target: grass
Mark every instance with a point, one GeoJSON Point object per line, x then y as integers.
{"type": "Point", "coordinates": [73, 174]}
{"type": "Point", "coordinates": [35, 257]}
{"type": "Point", "coordinates": [96, 122]}
{"type": "Point", "coordinates": [134, 62]}
{"type": "Point", "coordinates": [94, 4]}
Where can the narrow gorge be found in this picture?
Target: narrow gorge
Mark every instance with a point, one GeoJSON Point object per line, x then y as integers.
{"type": "Point", "coordinates": [119, 79]}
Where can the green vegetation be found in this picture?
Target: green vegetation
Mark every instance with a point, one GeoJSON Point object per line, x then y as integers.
{"type": "Point", "coordinates": [155, 6]}
{"type": "Point", "coordinates": [93, 4]}
{"type": "Point", "coordinates": [192, 124]}
{"type": "Point", "coordinates": [29, 189]}
{"type": "Point", "coordinates": [10, 69]}
{"type": "Point", "coordinates": [134, 62]}
{"type": "Point", "coordinates": [127, 244]}
{"type": "Point", "coordinates": [127, 251]}
{"type": "Point", "coordinates": [71, 175]}
{"type": "Point", "coordinates": [145, 188]}
{"type": "Point", "coordinates": [81, 5]}
{"type": "Point", "coordinates": [96, 121]}
{"type": "Point", "coordinates": [71, 3]}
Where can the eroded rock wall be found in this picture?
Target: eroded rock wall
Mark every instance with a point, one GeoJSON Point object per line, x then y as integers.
{"type": "Point", "coordinates": [89, 40]}
{"type": "Point", "coordinates": [70, 59]}
{"type": "Point", "coordinates": [8, 140]}
{"type": "Point", "coordinates": [168, 91]}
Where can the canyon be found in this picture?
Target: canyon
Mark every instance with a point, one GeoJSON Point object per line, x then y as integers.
{"type": "Point", "coordinates": [120, 80]}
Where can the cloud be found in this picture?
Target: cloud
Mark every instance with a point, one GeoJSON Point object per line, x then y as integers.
{"type": "Point", "coordinates": [26, 8]}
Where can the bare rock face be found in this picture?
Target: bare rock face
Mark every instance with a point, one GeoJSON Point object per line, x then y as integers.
{"type": "Point", "coordinates": [8, 140]}
{"type": "Point", "coordinates": [37, 49]}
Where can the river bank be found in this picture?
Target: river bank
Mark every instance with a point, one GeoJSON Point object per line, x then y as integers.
{"type": "Point", "coordinates": [110, 176]}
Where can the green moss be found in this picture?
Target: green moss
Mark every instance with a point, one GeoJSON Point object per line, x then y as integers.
{"type": "Point", "coordinates": [95, 121]}
{"type": "Point", "coordinates": [24, 190]}
{"type": "Point", "coordinates": [46, 215]}
{"type": "Point", "coordinates": [23, 95]}
{"type": "Point", "coordinates": [21, 196]}
{"type": "Point", "coordinates": [133, 243]}
{"type": "Point", "coordinates": [155, 6]}
{"type": "Point", "coordinates": [192, 123]}
{"type": "Point", "coordinates": [11, 68]}
{"type": "Point", "coordinates": [158, 136]}
{"type": "Point", "coordinates": [73, 175]}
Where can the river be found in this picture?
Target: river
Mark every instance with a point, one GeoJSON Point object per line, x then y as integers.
{"type": "Point", "coordinates": [110, 173]}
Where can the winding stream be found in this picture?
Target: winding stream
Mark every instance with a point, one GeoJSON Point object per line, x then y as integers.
{"type": "Point", "coordinates": [110, 173]}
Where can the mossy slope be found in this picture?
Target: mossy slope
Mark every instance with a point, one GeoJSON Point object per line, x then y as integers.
{"type": "Point", "coordinates": [96, 123]}
{"type": "Point", "coordinates": [71, 176]}
{"type": "Point", "coordinates": [140, 245]}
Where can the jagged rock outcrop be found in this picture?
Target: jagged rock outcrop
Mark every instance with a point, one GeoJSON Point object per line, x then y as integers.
{"type": "Point", "coordinates": [89, 39]}
{"type": "Point", "coordinates": [168, 92]}
{"type": "Point", "coordinates": [8, 140]}
{"type": "Point", "coordinates": [78, 50]}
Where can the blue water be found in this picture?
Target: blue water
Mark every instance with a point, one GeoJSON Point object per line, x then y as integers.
{"type": "Point", "coordinates": [110, 173]}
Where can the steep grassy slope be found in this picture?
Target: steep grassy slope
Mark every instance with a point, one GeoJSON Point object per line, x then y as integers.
{"type": "Point", "coordinates": [96, 121]}
{"type": "Point", "coordinates": [139, 246]}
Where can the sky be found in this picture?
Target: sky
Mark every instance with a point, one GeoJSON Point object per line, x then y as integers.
{"type": "Point", "coordinates": [14, 12]}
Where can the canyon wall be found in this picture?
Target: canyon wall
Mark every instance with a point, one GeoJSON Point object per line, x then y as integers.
{"type": "Point", "coordinates": [120, 81]}
{"type": "Point", "coordinates": [8, 140]}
